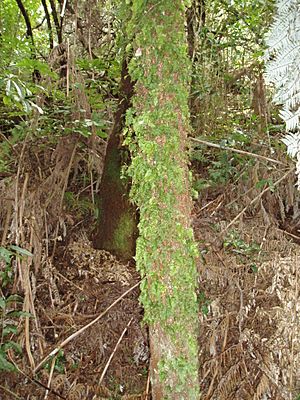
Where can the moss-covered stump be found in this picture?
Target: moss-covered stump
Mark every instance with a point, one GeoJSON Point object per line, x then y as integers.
{"type": "Point", "coordinates": [117, 228]}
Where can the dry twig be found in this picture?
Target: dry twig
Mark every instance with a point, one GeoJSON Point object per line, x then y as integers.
{"type": "Point", "coordinates": [113, 352]}
{"type": "Point", "coordinates": [50, 377]}
{"type": "Point", "coordinates": [246, 153]}
{"type": "Point", "coordinates": [147, 386]}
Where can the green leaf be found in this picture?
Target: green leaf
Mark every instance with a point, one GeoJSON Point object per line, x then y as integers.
{"type": "Point", "coordinates": [9, 329]}
{"type": "Point", "coordinates": [2, 302]}
{"type": "Point", "coordinates": [254, 268]}
{"type": "Point", "coordinates": [34, 105]}
{"type": "Point", "coordinates": [4, 364]}
{"type": "Point", "coordinates": [18, 89]}
{"type": "Point", "coordinates": [7, 101]}
{"type": "Point", "coordinates": [19, 314]}
{"type": "Point", "coordinates": [8, 86]}
{"type": "Point", "coordinates": [21, 251]}
{"type": "Point", "coordinates": [101, 134]}
{"type": "Point", "coordinates": [204, 309]}
{"type": "Point", "coordinates": [6, 254]}
{"type": "Point", "coordinates": [14, 298]}
{"type": "Point", "coordinates": [12, 345]}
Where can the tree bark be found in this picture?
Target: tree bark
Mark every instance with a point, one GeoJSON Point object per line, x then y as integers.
{"type": "Point", "coordinates": [117, 228]}
{"type": "Point", "coordinates": [166, 250]}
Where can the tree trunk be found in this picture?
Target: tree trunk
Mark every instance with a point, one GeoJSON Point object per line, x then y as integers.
{"type": "Point", "coordinates": [117, 220]}
{"type": "Point", "coordinates": [260, 104]}
{"type": "Point", "coordinates": [166, 250]}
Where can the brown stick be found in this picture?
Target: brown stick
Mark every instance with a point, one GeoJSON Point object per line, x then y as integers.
{"type": "Point", "coordinates": [147, 386]}
{"type": "Point", "coordinates": [11, 393]}
{"type": "Point", "coordinates": [113, 352]}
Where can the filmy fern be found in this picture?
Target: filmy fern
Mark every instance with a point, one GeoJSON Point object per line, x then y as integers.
{"type": "Point", "coordinates": [283, 70]}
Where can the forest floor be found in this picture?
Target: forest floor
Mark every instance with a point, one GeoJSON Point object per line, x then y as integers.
{"type": "Point", "coordinates": [87, 327]}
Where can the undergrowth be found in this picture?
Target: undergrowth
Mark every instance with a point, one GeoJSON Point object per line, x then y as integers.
{"type": "Point", "coordinates": [11, 313]}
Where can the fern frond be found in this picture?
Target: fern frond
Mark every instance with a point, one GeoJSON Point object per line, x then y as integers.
{"type": "Point", "coordinates": [283, 70]}
{"type": "Point", "coordinates": [292, 141]}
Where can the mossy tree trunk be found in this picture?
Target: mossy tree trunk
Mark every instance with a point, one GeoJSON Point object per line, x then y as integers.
{"type": "Point", "coordinates": [166, 250]}
{"type": "Point", "coordinates": [117, 229]}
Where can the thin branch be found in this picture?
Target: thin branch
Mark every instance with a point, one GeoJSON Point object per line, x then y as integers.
{"type": "Point", "coordinates": [246, 153]}
{"type": "Point", "coordinates": [80, 31]}
{"type": "Point", "coordinates": [57, 24]}
{"type": "Point", "coordinates": [240, 16]}
{"type": "Point", "coordinates": [84, 328]}
{"type": "Point", "coordinates": [26, 19]}
{"type": "Point", "coordinates": [50, 377]}
{"type": "Point", "coordinates": [35, 381]}
{"type": "Point", "coordinates": [147, 386]}
{"type": "Point", "coordinates": [289, 234]}
{"type": "Point", "coordinates": [48, 19]}
{"type": "Point", "coordinates": [113, 352]}
{"type": "Point", "coordinates": [62, 14]}
{"type": "Point", "coordinates": [39, 24]}
{"type": "Point", "coordinates": [29, 34]}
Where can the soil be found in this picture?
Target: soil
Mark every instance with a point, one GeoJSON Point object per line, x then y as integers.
{"type": "Point", "coordinates": [79, 285]}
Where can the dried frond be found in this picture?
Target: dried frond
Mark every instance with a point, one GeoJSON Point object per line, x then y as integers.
{"type": "Point", "coordinates": [229, 382]}
{"type": "Point", "coordinates": [77, 392]}
{"type": "Point", "coordinates": [100, 264]}
{"type": "Point", "coordinates": [250, 335]}
{"type": "Point", "coordinates": [262, 389]}
{"type": "Point", "coordinates": [60, 383]}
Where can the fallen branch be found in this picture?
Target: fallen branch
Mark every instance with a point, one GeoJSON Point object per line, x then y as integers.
{"type": "Point", "coordinates": [113, 352]}
{"type": "Point", "coordinates": [84, 328]}
{"type": "Point", "coordinates": [246, 153]}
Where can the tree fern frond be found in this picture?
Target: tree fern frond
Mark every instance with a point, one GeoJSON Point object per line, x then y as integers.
{"type": "Point", "coordinates": [292, 141]}
{"type": "Point", "coordinates": [283, 70]}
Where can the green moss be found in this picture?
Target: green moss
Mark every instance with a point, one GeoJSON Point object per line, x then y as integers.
{"type": "Point", "coordinates": [124, 235]}
{"type": "Point", "coordinates": [166, 250]}
{"type": "Point", "coordinates": [113, 170]}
